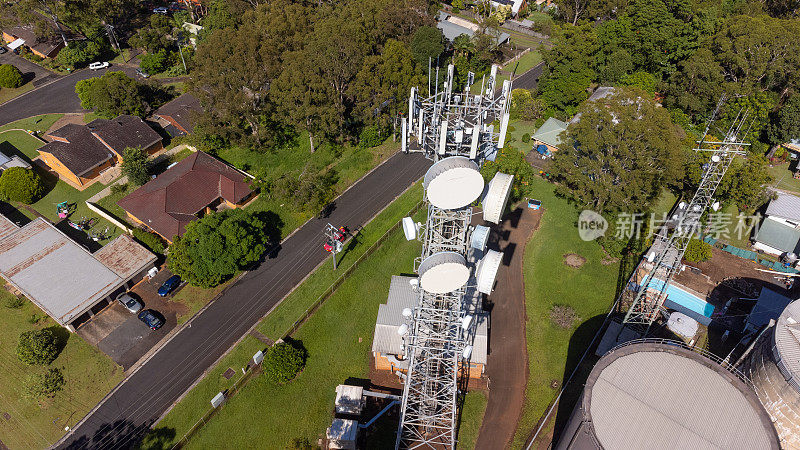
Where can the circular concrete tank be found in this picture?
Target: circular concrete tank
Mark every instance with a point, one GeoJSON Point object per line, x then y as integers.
{"type": "Point", "coordinates": [661, 395]}
{"type": "Point", "coordinates": [774, 368]}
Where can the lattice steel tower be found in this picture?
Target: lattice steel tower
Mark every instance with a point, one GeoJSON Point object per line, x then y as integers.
{"type": "Point", "coordinates": [664, 258]}
{"type": "Point", "coordinates": [457, 130]}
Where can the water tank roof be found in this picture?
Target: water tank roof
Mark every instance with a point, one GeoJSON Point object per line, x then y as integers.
{"type": "Point", "coordinates": [787, 339]}
{"type": "Point", "coordinates": [655, 395]}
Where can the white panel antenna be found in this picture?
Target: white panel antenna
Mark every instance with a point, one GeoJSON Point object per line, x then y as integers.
{"type": "Point", "coordinates": [411, 106]}
{"type": "Point", "coordinates": [421, 137]}
{"type": "Point", "coordinates": [404, 136]}
{"type": "Point", "coordinates": [503, 129]}
{"type": "Point", "coordinates": [443, 138]}
{"type": "Point", "coordinates": [409, 228]}
{"type": "Point", "coordinates": [473, 145]}
{"type": "Point", "coordinates": [497, 197]}
{"type": "Point", "coordinates": [486, 272]}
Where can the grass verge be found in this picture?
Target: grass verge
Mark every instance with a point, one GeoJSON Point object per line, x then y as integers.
{"type": "Point", "coordinates": [19, 143]}
{"type": "Point", "coordinates": [588, 290]}
{"type": "Point", "coordinates": [784, 178]}
{"type": "Point", "coordinates": [525, 63]}
{"type": "Point", "coordinates": [40, 123]}
{"type": "Point", "coordinates": [88, 372]}
{"type": "Point", "coordinates": [7, 94]}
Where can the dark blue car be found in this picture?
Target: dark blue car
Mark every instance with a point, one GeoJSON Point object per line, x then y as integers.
{"type": "Point", "coordinates": [169, 285]}
{"type": "Point", "coordinates": [151, 318]}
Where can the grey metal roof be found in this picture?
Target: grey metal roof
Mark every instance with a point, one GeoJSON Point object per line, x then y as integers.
{"type": "Point", "coordinates": [787, 341]}
{"type": "Point", "coordinates": [601, 92]}
{"type": "Point", "coordinates": [6, 226]}
{"type": "Point", "coordinates": [786, 206]}
{"type": "Point", "coordinates": [452, 31]}
{"type": "Point", "coordinates": [401, 296]}
{"type": "Point", "coordinates": [53, 271]}
{"type": "Point", "coordinates": [659, 399]}
{"type": "Point", "coordinates": [778, 236]}
{"type": "Point", "coordinates": [550, 132]}
{"type": "Point", "coordinates": [125, 256]}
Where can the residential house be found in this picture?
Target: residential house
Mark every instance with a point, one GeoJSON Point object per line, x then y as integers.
{"type": "Point", "coordinates": [547, 139]}
{"type": "Point", "coordinates": [514, 5]}
{"type": "Point", "coordinates": [779, 232]}
{"type": "Point", "coordinates": [453, 26]}
{"type": "Point", "coordinates": [45, 45]}
{"type": "Point", "coordinates": [79, 153]}
{"type": "Point", "coordinates": [61, 277]}
{"type": "Point", "coordinates": [179, 115]}
{"type": "Point", "coordinates": [388, 345]}
{"type": "Point", "coordinates": [195, 186]}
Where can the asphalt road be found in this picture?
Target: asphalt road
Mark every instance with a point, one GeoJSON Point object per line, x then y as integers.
{"type": "Point", "coordinates": [126, 414]}
{"type": "Point", "coordinates": [56, 97]}
{"type": "Point", "coordinates": [529, 79]}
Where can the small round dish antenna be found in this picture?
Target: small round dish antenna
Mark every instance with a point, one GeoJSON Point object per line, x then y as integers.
{"type": "Point", "coordinates": [479, 238]}
{"type": "Point", "coordinates": [497, 197]}
{"type": "Point", "coordinates": [409, 228]}
{"type": "Point", "coordinates": [453, 183]}
{"type": "Point", "coordinates": [486, 272]}
{"type": "Point", "coordinates": [467, 352]}
{"type": "Point", "coordinates": [443, 272]}
{"type": "Point", "coordinates": [407, 313]}
{"type": "Point", "coordinates": [716, 158]}
{"type": "Point", "coordinates": [402, 330]}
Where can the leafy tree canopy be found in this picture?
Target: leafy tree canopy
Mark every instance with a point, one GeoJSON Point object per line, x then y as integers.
{"type": "Point", "coordinates": [620, 153]}
{"type": "Point", "coordinates": [216, 246]}
{"type": "Point", "coordinates": [37, 347]}
{"type": "Point", "coordinates": [283, 361]}
{"type": "Point", "coordinates": [113, 94]}
{"type": "Point", "coordinates": [21, 185]}
{"type": "Point", "coordinates": [428, 42]}
{"type": "Point", "coordinates": [10, 76]}
{"type": "Point", "coordinates": [136, 166]}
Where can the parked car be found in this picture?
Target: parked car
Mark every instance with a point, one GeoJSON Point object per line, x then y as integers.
{"type": "Point", "coordinates": [129, 302]}
{"type": "Point", "coordinates": [151, 318]}
{"type": "Point", "coordinates": [99, 65]}
{"type": "Point", "coordinates": [142, 73]}
{"type": "Point", "coordinates": [160, 10]}
{"type": "Point", "coordinates": [2, 50]}
{"type": "Point", "coordinates": [169, 285]}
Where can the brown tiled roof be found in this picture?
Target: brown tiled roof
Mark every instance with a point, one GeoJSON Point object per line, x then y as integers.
{"type": "Point", "coordinates": [124, 131]}
{"type": "Point", "coordinates": [169, 202]}
{"type": "Point", "coordinates": [182, 110]}
{"type": "Point", "coordinates": [46, 46]}
{"type": "Point", "coordinates": [82, 153]}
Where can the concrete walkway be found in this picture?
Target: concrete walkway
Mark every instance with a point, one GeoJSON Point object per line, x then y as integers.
{"type": "Point", "coordinates": [507, 365]}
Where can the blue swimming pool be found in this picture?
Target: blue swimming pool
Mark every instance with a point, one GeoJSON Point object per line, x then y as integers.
{"type": "Point", "coordinates": [682, 300]}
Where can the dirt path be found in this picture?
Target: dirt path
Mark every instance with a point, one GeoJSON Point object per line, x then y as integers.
{"type": "Point", "coordinates": [507, 366]}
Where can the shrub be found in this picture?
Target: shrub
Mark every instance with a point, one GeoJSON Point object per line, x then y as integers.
{"type": "Point", "coordinates": [10, 76]}
{"type": "Point", "coordinates": [119, 188]}
{"type": "Point", "coordinates": [698, 251]}
{"type": "Point", "coordinates": [526, 137]}
{"type": "Point", "coordinates": [283, 361]}
{"type": "Point", "coordinates": [37, 347]}
{"type": "Point", "coordinates": [152, 241]}
{"type": "Point", "coordinates": [44, 385]}
{"type": "Point", "coordinates": [21, 185]}
{"type": "Point", "coordinates": [370, 137]}
{"type": "Point", "coordinates": [80, 53]}
{"type": "Point", "coordinates": [157, 62]}
{"type": "Point", "coordinates": [14, 302]}
{"type": "Point", "coordinates": [136, 166]}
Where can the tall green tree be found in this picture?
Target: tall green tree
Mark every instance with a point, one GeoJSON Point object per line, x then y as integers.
{"type": "Point", "coordinates": [113, 94]}
{"type": "Point", "coordinates": [384, 81]}
{"type": "Point", "coordinates": [745, 183]}
{"type": "Point", "coordinates": [427, 43]}
{"type": "Point", "coordinates": [569, 67]}
{"type": "Point", "coordinates": [216, 246]}
{"type": "Point", "coordinates": [620, 154]}
{"type": "Point", "coordinates": [135, 165]}
{"type": "Point", "coordinates": [786, 122]}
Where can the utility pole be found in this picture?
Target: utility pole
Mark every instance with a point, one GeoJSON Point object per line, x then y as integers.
{"type": "Point", "coordinates": [334, 237]}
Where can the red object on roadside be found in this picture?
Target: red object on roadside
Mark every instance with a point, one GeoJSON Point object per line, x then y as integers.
{"type": "Point", "coordinates": [328, 247]}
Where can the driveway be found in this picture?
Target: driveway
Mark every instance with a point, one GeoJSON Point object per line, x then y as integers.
{"type": "Point", "coordinates": [56, 97]}
{"type": "Point", "coordinates": [30, 71]}
{"type": "Point", "coordinates": [121, 335]}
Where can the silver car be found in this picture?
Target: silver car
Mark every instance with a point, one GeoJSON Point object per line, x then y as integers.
{"type": "Point", "coordinates": [130, 303]}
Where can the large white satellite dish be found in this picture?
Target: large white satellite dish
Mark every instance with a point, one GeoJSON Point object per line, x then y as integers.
{"type": "Point", "coordinates": [486, 272]}
{"type": "Point", "coordinates": [443, 272]}
{"type": "Point", "coordinates": [479, 238]}
{"type": "Point", "coordinates": [409, 228]}
{"type": "Point", "coordinates": [497, 196]}
{"type": "Point", "coordinates": [453, 183]}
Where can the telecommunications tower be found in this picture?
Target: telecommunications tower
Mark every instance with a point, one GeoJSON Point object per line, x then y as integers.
{"type": "Point", "coordinates": [663, 260]}
{"type": "Point", "coordinates": [458, 131]}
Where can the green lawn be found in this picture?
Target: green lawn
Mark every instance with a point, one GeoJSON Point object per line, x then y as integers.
{"type": "Point", "coordinates": [471, 418]}
{"type": "Point", "coordinates": [527, 62]}
{"type": "Point", "coordinates": [40, 123]}
{"type": "Point", "coordinates": [516, 129]}
{"type": "Point", "coordinates": [476, 87]}
{"type": "Point", "coordinates": [20, 143]}
{"type": "Point", "coordinates": [88, 372]}
{"type": "Point", "coordinates": [7, 94]}
{"type": "Point", "coordinates": [784, 179]}
{"type": "Point", "coordinates": [588, 290]}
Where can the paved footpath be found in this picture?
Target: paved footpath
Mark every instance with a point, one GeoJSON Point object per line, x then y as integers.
{"type": "Point", "coordinates": [507, 365]}
{"type": "Point", "coordinates": [141, 398]}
